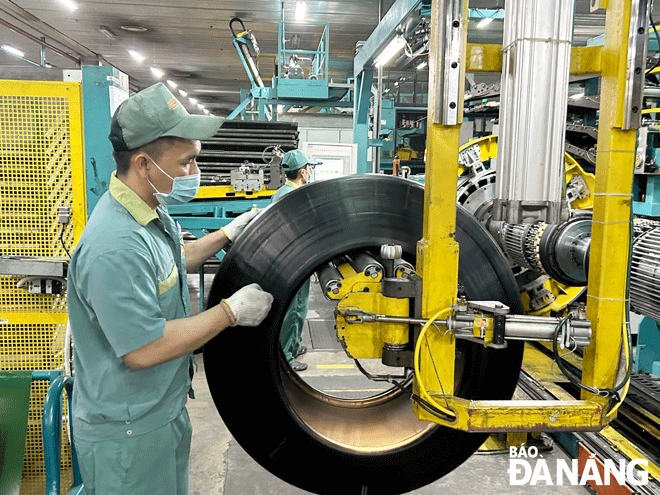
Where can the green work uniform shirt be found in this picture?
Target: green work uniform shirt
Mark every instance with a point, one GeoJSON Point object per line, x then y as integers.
{"type": "Point", "coordinates": [126, 278]}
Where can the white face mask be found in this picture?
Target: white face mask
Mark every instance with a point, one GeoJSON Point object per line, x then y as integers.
{"type": "Point", "coordinates": [308, 179]}
{"type": "Point", "coordinates": [184, 188]}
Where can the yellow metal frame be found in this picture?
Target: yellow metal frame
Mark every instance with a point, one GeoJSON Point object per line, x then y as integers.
{"type": "Point", "coordinates": [609, 255]}
{"type": "Point", "coordinates": [488, 58]}
{"type": "Point", "coordinates": [42, 167]}
{"type": "Point", "coordinates": [214, 192]}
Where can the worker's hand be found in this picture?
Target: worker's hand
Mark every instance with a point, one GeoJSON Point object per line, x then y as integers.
{"type": "Point", "coordinates": [233, 229]}
{"type": "Point", "coordinates": [249, 305]}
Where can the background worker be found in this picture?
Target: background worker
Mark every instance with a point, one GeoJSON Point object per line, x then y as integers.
{"type": "Point", "coordinates": [129, 306]}
{"type": "Point", "coordinates": [298, 170]}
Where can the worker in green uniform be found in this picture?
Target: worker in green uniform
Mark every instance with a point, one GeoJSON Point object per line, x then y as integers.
{"type": "Point", "coordinates": [298, 170]}
{"type": "Point", "coordinates": [129, 306]}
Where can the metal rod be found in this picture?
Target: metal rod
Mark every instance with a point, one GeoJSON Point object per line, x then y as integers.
{"type": "Point", "coordinates": [39, 42]}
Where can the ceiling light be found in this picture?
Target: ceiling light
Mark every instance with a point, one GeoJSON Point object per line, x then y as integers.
{"type": "Point", "coordinates": [422, 65]}
{"type": "Point", "coordinates": [300, 10]}
{"type": "Point", "coordinates": [69, 4]}
{"type": "Point", "coordinates": [205, 111]}
{"type": "Point", "coordinates": [134, 28]}
{"type": "Point", "coordinates": [193, 100]}
{"type": "Point", "coordinates": [577, 96]}
{"type": "Point", "coordinates": [105, 31]}
{"type": "Point", "coordinates": [183, 93]}
{"type": "Point", "coordinates": [200, 106]}
{"type": "Point", "coordinates": [390, 51]}
{"type": "Point", "coordinates": [157, 72]}
{"type": "Point", "coordinates": [136, 55]}
{"type": "Point", "coordinates": [172, 84]}
{"type": "Point", "coordinates": [13, 51]}
{"type": "Point", "coordinates": [484, 22]}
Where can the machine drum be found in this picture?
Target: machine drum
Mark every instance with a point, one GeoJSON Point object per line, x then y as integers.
{"type": "Point", "coordinates": [325, 444]}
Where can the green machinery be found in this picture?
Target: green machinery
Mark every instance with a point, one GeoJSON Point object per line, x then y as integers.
{"type": "Point", "coordinates": [302, 77]}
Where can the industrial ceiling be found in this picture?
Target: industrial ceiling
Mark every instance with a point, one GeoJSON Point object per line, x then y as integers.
{"type": "Point", "coordinates": [191, 41]}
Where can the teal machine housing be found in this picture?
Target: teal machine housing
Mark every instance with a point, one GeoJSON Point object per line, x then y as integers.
{"type": "Point", "coordinates": [103, 89]}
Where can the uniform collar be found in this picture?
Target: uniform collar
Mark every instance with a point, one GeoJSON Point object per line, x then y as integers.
{"type": "Point", "coordinates": [292, 184]}
{"type": "Point", "coordinates": [129, 199]}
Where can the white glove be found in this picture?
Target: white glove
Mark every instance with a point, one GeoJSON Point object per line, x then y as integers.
{"type": "Point", "coordinates": [249, 305]}
{"type": "Point", "coordinates": [236, 226]}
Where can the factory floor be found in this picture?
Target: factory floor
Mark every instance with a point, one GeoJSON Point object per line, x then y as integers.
{"type": "Point", "coordinates": [219, 465]}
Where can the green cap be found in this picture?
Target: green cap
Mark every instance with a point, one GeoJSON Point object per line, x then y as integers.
{"type": "Point", "coordinates": [295, 159]}
{"type": "Point", "coordinates": [155, 112]}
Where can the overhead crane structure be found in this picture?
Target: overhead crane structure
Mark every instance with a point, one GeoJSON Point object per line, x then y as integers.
{"type": "Point", "coordinates": [291, 85]}
{"type": "Point", "coordinates": [449, 320]}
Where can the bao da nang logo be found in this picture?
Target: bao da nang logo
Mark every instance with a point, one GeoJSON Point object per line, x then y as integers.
{"type": "Point", "coordinates": [526, 468]}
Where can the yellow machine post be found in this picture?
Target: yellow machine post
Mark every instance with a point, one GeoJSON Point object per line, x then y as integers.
{"type": "Point", "coordinates": [608, 261]}
{"type": "Point", "coordinates": [440, 280]}
{"type": "Point", "coordinates": [610, 235]}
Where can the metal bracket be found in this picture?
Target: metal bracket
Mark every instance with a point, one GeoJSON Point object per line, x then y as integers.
{"type": "Point", "coordinates": [448, 82]}
{"type": "Point", "coordinates": [399, 288]}
{"type": "Point", "coordinates": [635, 73]}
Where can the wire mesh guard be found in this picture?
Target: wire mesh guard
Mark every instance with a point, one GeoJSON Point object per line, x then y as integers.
{"type": "Point", "coordinates": [39, 121]}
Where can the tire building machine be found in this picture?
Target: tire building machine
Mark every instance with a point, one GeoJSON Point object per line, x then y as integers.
{"type": "Point", "coordinates": [452, 321]}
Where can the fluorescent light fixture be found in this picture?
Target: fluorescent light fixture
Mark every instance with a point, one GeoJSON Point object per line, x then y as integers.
{"type": "Point", "coordinates": [171, 84]}
{"type": "Point", "coordinates": [200, 106]}
{"type": "Point", "coordinates": [193, 100]}
{"type": "Point", "coordinates": [69, 4]}
{"type": "Point", "coordinates": [422, 65]}
{"type": "Point", "coordinates": [136, 55]}
{"type": "Point", "coordinates": [183, 93]}
{"type": "Point", "coordinates": [301, 6]}
{"type": "Point", "coordinates": [390, 51]}
{"type": "Point", "coordinates": [157, 72]}
{"type": "Point", "coordinates": [13, 51]}
{"type": "Point", "coordinates": [484, 22]}
{"type": "Point", "coordinates": [205, 111]}
{"type": "Point", "coordinates": [577, 96]}
{"type": "Point", "coordinates": [107, 32]}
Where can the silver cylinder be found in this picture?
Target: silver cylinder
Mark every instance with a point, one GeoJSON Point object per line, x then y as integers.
{"type": "Point", "coordinates": [329, 280]}
{"type": "Point", "coordinates": [535, 69]}
{"type": "Point", "coordinates": [539, 328]}
{"type": "Point", "coordinates": [645, 274]}
{"type": "Point", "coordinates": [403, 269]}
{"type": "Point", "coordinates": [363, 263]}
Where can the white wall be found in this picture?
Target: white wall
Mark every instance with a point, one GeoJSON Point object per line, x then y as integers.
{"type": "Point", "coordinates": [322, 128]}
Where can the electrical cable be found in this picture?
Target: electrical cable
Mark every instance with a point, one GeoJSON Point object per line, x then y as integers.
{"type": "Point", "coordinates": [62, 240]}
{"type": "Point", "coordinates": [426, 405]}
{"type": "Point", "coordinates": [648, 71]}
{"type": "Point", "coordinates": [627, 334]}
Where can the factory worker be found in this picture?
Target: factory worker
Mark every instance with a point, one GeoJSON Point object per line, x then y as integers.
{"type": "Point", "coordinates": [129, 306]}
{"type": "Point", "coordinates": [298, 170]}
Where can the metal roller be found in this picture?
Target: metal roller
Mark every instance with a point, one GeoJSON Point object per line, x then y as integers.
{"type": "Point", "coordinates": [363, 263]}
{"type": "Point", "coordinates": [329, 280]}
{"type": "Point", "coordinates": [403, 269]}
{"type": "Point", "coordinates": [375, 443]}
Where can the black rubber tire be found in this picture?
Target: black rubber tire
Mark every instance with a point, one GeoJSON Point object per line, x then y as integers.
{"type": "Point", "coordinates": [254, 391]}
